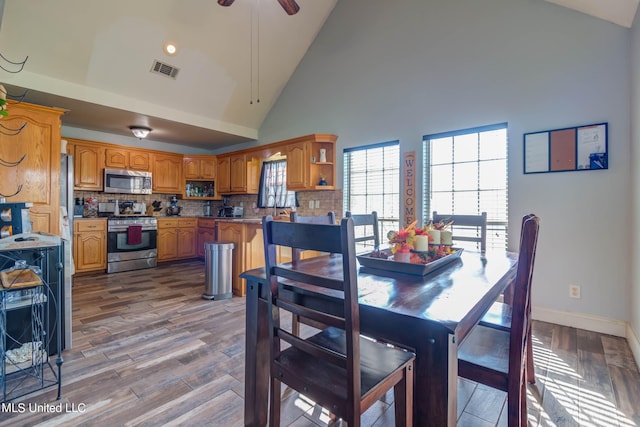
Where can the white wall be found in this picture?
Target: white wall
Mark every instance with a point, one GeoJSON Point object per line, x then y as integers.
{"type": "Point", "coordinates": [383, 70]}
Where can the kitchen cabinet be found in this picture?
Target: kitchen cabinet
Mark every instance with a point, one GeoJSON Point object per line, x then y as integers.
{"type": "Point", "coordinates": [125, 158]}
{"type": "Point", "coordinates": [248, 249]}
{"type": "Point", "coordinates": [176, 238]}
{"type": "Point", "coordinates": [90, 244]}
{"type": "Point", "coordinates": [304, 168]}
{"type": "Point", "coordinates": [223, 175]}
{"type": "Point", "coordinates": [245, 173]}
{"type": "Point", "coordinates": [36, 177]}
{"type": "Point", "coordinates": [200, 167]}
{"type": "Point", "coordinates": [88, 164]}
{"type": "Point", "coordinates": [206, 233]}
{"type": "Point", "coordinates": [167, 173]}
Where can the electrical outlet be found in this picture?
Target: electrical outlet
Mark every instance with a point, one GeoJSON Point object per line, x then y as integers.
{"type": "Point", "coordinates": [574, 291]}
{"type": "Point", "coordinates": [317, 204]}
{"type": "Point", "coordinates": [310, 204]}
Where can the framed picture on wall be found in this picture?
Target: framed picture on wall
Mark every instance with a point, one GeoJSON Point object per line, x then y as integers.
{"type": "Point", "coordinates": [568, 149]}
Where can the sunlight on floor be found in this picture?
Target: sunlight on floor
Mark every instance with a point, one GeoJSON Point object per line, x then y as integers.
{"type": "Point", "coordinates": [573, 394]}
{"type": "Point", "coordinates": [310, 408]}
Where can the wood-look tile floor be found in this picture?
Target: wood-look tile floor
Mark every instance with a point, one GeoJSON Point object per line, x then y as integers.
{"type": "Point", "coordinates": [147, 350]}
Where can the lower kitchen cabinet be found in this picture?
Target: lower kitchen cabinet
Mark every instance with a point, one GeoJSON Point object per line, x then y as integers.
{"type": "Point", "coordinates": [206, 233]}
{"type": "Point", "coordinates": [176, 238]}
{"type": "Point", "coordinates": [248, 249]}
{"type": "Point", "coordinates": [90, 244]}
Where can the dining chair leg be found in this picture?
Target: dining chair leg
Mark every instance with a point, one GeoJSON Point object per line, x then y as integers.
{"type": "Point", "coordinates": [274, 403]}
{"type": "Point", "coordinates": [523, 404]}
{"type": "Point", "coordinates": [531, 373]}
{"type": "Point", "coordinates": [295, 325]}
{"type": "Point", "coordinates": [403, 398]}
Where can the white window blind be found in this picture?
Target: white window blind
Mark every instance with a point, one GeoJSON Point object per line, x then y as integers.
{"type": "Point", "coordinates": [372, 183]}
{"type": "Point", "coordinates": [466, 173]}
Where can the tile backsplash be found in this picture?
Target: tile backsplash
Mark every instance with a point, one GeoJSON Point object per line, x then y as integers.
{"type": "Point", "coordinates": [311, 202]}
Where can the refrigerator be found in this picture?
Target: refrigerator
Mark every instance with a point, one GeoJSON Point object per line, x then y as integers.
{"type": "Point", "coordinates": [66, 232]}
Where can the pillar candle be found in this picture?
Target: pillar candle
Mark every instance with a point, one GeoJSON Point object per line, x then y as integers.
{"type": "Point", "coordinates": [435, 237]}
{"type": "Point", "coordinates": [422, 243]}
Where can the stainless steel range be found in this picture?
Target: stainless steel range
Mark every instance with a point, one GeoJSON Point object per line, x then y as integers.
{"type": "Point", "coordinates": [131, 243]}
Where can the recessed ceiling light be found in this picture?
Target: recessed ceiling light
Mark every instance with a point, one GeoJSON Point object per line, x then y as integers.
{"type": "Point", "coordinates": [170, 49]}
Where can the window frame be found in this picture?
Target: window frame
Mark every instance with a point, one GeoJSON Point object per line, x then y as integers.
{"type": "Point", "coordinates": [385, 222]}
{"type": "Point", "coordinates": [494, 226]}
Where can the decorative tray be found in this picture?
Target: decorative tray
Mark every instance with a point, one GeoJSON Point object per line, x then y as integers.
{"type": "Point", "coordinates": [366, 260]}
{"type": "Point", "coordinates": [19, 278]}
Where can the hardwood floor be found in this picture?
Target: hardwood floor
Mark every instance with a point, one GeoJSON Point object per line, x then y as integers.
{"type": "Point", "coordinates": [147, 350]}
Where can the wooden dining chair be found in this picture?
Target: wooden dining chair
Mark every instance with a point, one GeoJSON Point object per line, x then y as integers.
{"type": "Point", "coordinates": [462, 224]}
{"type": "Point", "coordinates": [336, 368]}
{"type": "Point", "coordinates": [366, 221]}
{"type": "Point", "coordinates": [499, 317]}
{"type": "Point", "coordinates": [497, 358]}
{"type": "Point", "coordinates": [296, 255]}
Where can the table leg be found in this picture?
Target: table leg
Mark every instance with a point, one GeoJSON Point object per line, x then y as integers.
{"type": "Point", "coordinates": [256, 393]}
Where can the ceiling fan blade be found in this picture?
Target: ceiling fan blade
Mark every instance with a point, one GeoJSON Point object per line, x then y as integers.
{"type": "Point", "coordinates": [290, 6]}
{"type": "Point", "coordinates": [225, 2]}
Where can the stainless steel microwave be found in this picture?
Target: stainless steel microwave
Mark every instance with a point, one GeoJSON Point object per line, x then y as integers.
{"type": "Point", "coordinates": [127, 181]}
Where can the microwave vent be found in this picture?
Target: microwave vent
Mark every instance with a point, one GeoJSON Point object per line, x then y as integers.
{"type": "Point", "coordinates": [164, 69]}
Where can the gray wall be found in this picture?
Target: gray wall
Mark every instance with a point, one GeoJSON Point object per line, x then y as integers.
{"type": "Point", "coordinates": [383, 70]}
{"type": "Point", "coordinates": [635, 159]}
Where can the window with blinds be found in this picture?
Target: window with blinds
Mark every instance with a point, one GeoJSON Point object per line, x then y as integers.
{"type": "Point", "coordinates": [466, 173]}
{"type": "Point", "coordinates": [372, 183]}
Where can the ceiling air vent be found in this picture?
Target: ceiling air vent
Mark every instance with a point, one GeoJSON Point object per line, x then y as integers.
{"type": "Point", "coordinates": [164, 69]}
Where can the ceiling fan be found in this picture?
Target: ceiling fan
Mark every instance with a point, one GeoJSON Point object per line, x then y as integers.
{"type": "Point", "coordinates": [289, 6]}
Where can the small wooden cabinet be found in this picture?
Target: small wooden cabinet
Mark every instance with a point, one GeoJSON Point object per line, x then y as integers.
{"type": "Point", "coordinates": [305, 171]}
{"type": "Point", "coordinates": [124, 158]}
{"type": "Point", "coordinates": [176, 238]}
{"type": "Point", "coordinates": [199, 167]}
{"type": "Point", "coordinates": [167, 173]}
{"type": "Point", "coordinates": [206, 233]}
{"type": "Point", "coordinates": [244, 173]}
{"type": "Point", "coordinates": [90, 244]}
{"type": "Point", "coordinates": [88, 164]}
{"type": "Point", "coordinates": [223, 175]}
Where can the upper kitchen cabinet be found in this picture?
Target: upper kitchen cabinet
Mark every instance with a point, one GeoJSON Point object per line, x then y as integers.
{"type": "Point", "coordinates": [122, 158]}
{"type": "Point", "coordinates": [223, 175]}
{"type": "Point", "coordinates": [37, 176]}
{"type": "Point", "coordinates": [245, 173]}
{"type": "Point", "coordinates": [167, 173]}
{"type": "Point", "coordinates": [238, 173]}
{"type": "Point", "coordinates": [311, 162]}
{"type": "Point", "coordinates": [199, 167]}
{"type": "Point", "coordinates": [88, 164]}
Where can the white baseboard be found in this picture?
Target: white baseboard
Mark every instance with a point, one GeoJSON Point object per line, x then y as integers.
{"type": "Point", "coordinates": [588, 322]}
{"type": "Point", "coordinates": [602, 325]}
{"type": "Point", "coordinates": [634, 343]}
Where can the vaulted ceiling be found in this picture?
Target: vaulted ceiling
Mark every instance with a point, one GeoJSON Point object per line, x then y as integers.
{"type": "Point", "coordinates": [95, 58]}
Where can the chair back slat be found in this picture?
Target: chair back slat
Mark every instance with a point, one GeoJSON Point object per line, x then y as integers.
{"type": "Point", "coordinates": [312, 279]}
{"type": "Point", "coordinates": [318, 316]}
{"type": "Point", "coordinates": [317, 237]}
{"type": "Point", "coordinates": [364, 220]}
{"type": "Point", "coordinates": [466, 222]}
{"type": "Point", "coordinates": [329, 218]}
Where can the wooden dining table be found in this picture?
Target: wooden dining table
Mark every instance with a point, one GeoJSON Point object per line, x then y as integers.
{"type": "Point", "coordinates": [430, 315]}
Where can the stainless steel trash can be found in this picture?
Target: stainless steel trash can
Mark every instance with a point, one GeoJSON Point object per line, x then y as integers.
{"type": "Point", "coordinates": [218, 258]}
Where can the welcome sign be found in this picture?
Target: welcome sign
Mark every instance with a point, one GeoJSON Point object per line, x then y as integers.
{"type": "Point", "coordinates": [409, 187]}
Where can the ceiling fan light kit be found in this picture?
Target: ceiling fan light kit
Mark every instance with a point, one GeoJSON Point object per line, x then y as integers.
{"type": "Point", "coordinates": [289, 6]}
